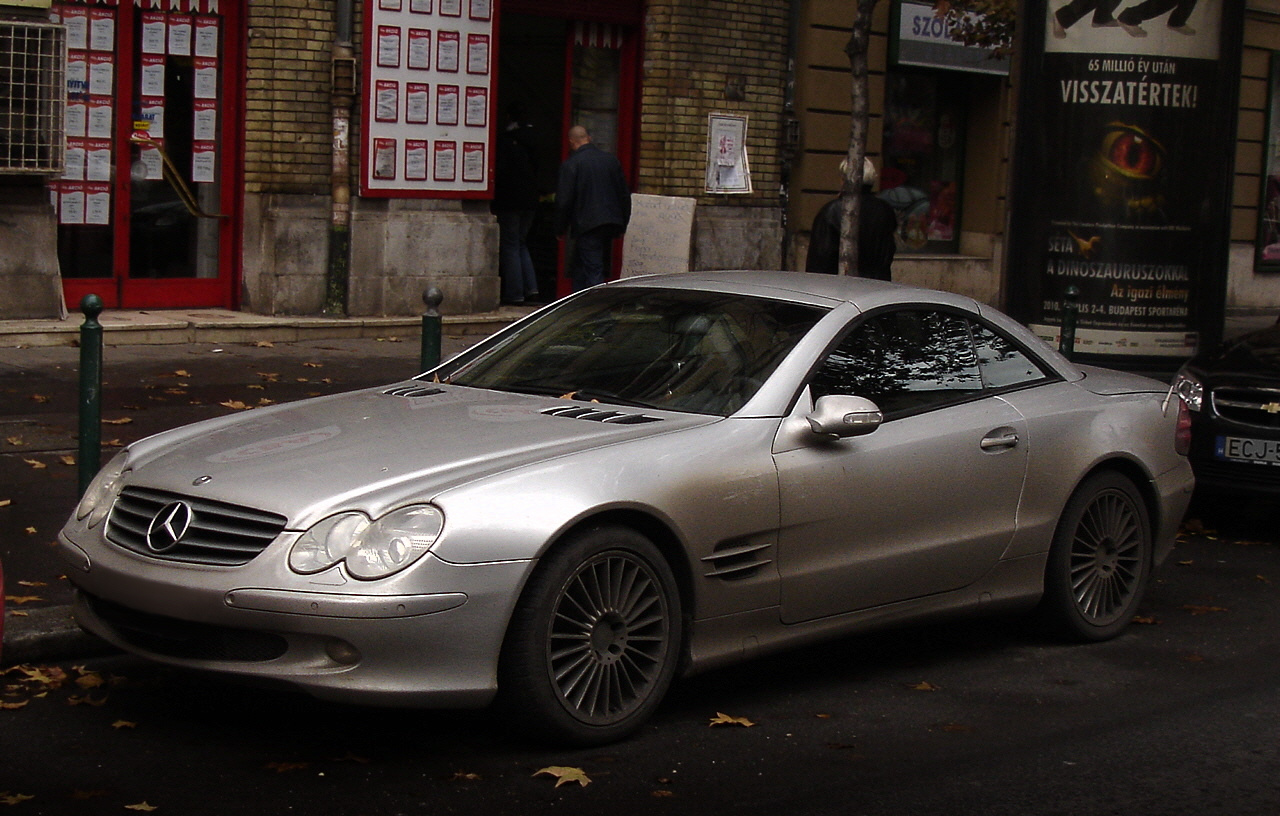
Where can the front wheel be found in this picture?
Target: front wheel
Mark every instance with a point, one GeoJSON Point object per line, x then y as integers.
{"type": "Point", "coordinates": [1099, 561]}
{"type": "Point", "coordinates": [594, 641]}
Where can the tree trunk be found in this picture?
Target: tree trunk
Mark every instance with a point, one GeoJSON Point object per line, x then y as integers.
{"type": "Point", "coordinates": [850, 209]}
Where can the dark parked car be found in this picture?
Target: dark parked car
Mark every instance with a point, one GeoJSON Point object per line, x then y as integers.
{"type": "Point", "coordinates": [1234, 396]}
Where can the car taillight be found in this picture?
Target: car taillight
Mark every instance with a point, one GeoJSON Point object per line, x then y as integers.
{"type": "Point", "coordinates": [1182, 435]}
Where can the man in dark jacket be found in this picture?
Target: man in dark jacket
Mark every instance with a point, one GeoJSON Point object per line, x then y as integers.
{"type": "Point", "coordinates": [877, 233]}
{"type": "Point", "coordinates": [593, 206]}
{"type": "Point", "coordinates": [515, 203]}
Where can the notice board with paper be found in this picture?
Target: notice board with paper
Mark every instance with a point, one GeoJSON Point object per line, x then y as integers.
{"type": "Point", "coordinates": [659, 239]}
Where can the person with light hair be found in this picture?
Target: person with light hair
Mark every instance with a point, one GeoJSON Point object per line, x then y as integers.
{"type": "Point", "coordinates": [877, 231]}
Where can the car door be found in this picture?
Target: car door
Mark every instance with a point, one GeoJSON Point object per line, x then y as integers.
{"type": "Point", "coordinates": [924, 504]}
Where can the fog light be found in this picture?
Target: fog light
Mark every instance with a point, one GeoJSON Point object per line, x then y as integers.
{"type": "Point", "coordinates": [342, 653]}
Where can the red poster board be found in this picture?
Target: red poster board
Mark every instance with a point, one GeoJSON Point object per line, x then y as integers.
{"type": "Point", "coordinates": [429, 90]}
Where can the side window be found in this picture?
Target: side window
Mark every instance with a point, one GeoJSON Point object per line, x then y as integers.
{"type": "Point", "coordinates": [1003, 364]}
{"type": "Point", "coordinates": [909, 360]}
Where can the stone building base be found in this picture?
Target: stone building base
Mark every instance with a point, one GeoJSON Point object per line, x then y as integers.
{"type": "Point", "coordinates": [399, 248]}
{"type": "Point", "coordinates": [29, 274]}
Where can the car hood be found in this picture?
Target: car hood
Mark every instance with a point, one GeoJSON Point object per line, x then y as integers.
{"type": "Point", "coordinates": [376, 448]}
{"type": "Point", "coordinates": [1254, 354]}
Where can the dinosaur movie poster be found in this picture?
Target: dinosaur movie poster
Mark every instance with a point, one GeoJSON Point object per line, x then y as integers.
{"type": "Point", "coordinates": [1123, 173]}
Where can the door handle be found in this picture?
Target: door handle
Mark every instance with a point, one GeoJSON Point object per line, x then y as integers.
{"type": "Point", "coordinates": [998, 440]}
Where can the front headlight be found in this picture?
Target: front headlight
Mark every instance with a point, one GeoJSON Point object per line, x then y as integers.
{"type": "Point", "coordinates": [1189, 387]}
{"type": "Point", "coordinates": [101, 493]}
{"type": "Point", "coordinates": [370, 549]}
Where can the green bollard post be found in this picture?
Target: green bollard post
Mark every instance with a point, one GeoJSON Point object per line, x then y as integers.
{"type": "Point", "coordinates": [431, 329]}
{"type": "Point", "coordinates": [90, 458]}
{"type": "Point", "coordinates": [1070, 308]}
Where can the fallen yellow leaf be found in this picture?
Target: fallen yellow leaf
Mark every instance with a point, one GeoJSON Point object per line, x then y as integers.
{"type": "Point", "coordinates": [120, 421]}
{"type": "Point", "coordinates": [142, 806]}
{"type": "Point", "coordinates": [35, 464]}
{"type": "Point", "coordinates": [565, 775]}
{"type": "Point", "coordinates": [67, 459]}
{"type": "Point", "coordinates": [924, 685]}
{"type": "Point", "coordinates": [14, 798]}
{"type": "Point", "coordinates": [124, 724]}
{"type": "Point", "coordinates": [18, 600]}
{"type": "Point", "coordinates": [724, 719]}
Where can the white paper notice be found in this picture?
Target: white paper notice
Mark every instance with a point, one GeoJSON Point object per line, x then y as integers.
{"type": "Point", "coordinates": [101, 74]}
{"type": "Point", "coordinates": [419, 49]}
{"type": "Point", "coordinates": [473, 162]}
{"type": "Point", "coordinates": [448, 44]}
{"type": "Point", "coordinates": [446, 161]}
{"type": "Point", "coordinates": [102, 31]}
{"type": "Point", "coordinates": [477, 107]}
{"type": "Point", "coordinates": [389, 46]}
{"type": "Point", "coordinates": [206, 37]}
{"type": "Point", "coordinates": [417, 103]}
{"type": "Point", "coordinates": [71, 209]}
{"type": "Point", "coordinates": [206, 122]}
{"type": "Point", "coordinates": [447, 105]}
{"type": "Point", "coordinates": [153, 76]}
{"type": "Point", "coordinates": [477, 54]}
{"type": "Point", "coordinates": [97, 207]}
{"type": "Point", "coordinates": [77, 74]}
{"type": "Point", "coordinates": [74, 123]}
{"type": "Point", "coordinates": [77, 24]}
{"type": "Point", "coordinates": [99, 163]}
{"type": "Point", "coordinates": [100, 117]}
{"type": "Point", "coordinates": [415, 160]}
{"type": "Point", "coordinates": [206, 79]}
{"type": "Point", "coordinates": [74, 169]}
{"type": "Point", "coordinates": [387, 101]}
{"type": "Point", "coordinates": [203, 162]}
{"type": "Point", "coordinates": [153, 33]}
{"type": "Point", "coordinates": [153, 115]}
{"type": "Point", "coordinates": [180, 36]}
{"type": "Point", "coordinates": [154, 164]}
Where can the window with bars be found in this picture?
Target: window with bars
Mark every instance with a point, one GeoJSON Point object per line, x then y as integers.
{"type": "Point", "coordinates": [33, 92]}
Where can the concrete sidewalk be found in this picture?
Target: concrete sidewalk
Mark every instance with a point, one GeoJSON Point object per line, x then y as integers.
{"type": "Point", "coordinates": [172, 326]}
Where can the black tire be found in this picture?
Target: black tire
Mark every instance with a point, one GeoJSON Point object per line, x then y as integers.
{"type": "Point", "coordinates": [1099, 562]}
{"type": "Point", "coordinates": [594, 641]}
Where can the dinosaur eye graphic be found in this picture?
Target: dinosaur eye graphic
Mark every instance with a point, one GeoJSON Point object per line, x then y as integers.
{"type": "Point", "coordinates": [1132, 152]}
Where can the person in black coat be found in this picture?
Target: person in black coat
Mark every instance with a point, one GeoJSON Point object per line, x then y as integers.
{"type": "Point", "coordinates": [515, 202]}
{"type": "Point", "coordinates": [593, 206]}
{"type": "Point", "coordinates": [877, 233]}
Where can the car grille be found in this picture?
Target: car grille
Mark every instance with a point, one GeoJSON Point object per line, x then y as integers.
{"type": "Point", "coordinates": [1259, 407]}
{"type": "Point", "coordinates": [219, 534]}
{"type": "Point", "coordinates": [597, 415]}
{"type": "Point", "coordinates": [1213, 472]}
{"type": "Point", "coordinates": [183, 639]}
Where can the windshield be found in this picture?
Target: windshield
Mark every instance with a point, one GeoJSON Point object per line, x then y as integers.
{"type": "Point", "coordinates": [704, 352]}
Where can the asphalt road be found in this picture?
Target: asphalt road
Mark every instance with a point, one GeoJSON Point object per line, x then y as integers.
{"type": "Point", "coordinates": [1177, 716]}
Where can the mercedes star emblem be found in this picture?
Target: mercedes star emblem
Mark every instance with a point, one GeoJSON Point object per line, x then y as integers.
{"type": "Point", "coordinates": [169, 526]}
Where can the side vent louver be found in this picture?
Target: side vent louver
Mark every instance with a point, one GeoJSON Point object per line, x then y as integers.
{"type": "Point", "coordinates": [737, 559]}
{"type": "Point", "coordinates": [599, 415]}
{"type": "Point", "coordinates": [416, 390]}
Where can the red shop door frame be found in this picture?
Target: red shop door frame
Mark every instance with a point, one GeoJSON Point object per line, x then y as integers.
{"type": "Point", "coordinates": [120, 290]}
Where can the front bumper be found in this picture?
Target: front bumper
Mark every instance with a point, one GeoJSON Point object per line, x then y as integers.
{"type": "Point", "coordinates": [430, 637]}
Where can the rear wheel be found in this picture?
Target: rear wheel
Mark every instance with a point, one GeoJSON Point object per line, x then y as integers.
{"type": "Point", "coordinates": [594, 642]}
{"type": "Point", "coordinates": [1099, 562]}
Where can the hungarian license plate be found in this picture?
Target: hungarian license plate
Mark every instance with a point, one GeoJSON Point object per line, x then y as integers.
{"type": "Point", "coordinates": [1240, 449]}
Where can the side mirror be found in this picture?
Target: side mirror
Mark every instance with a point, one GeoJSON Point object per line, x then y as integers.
{"type": "Point", "coordinates": [841, 416]}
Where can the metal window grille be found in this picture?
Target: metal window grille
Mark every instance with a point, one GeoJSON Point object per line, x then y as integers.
{"type": "Point", "coordinates": [33, 89]}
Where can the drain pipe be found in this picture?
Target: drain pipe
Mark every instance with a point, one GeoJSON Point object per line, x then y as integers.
{"type": "Point", "coordinates": [342, 97]}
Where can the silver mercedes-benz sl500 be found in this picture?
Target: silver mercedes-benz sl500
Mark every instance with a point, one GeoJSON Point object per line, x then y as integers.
{"type": "Point", "coordinates": [652, 477]}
